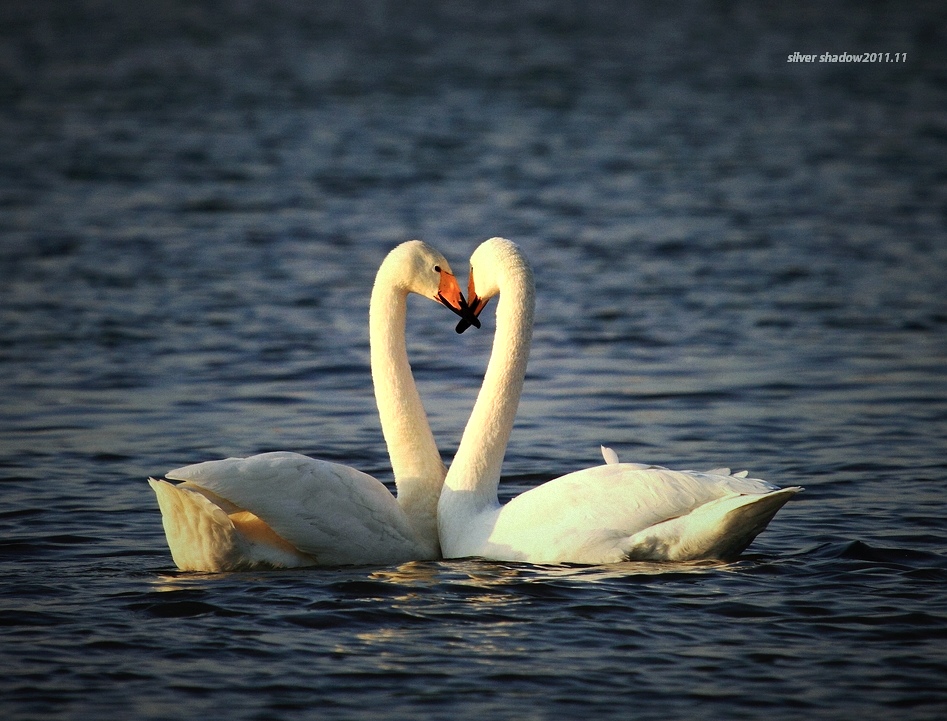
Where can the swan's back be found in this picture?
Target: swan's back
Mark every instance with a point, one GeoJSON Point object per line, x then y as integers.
{"type": "Point", "coordinates": [623, 494]}
{"type": "Point", "coordinates": [627, 511]}
{"type": "Point", "coordinates": [332, 512]}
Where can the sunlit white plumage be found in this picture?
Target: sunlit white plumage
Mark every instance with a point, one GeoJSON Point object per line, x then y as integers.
{"type": "Point", "coordinates": [609, 513]}
{"type": "Point", "coordinates": [609, 455]}
{"type": "Point", "coordinates": [284, 509]}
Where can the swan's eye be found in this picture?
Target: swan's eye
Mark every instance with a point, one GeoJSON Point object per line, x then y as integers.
{"type": "Point", "coordinates": [437, 269]}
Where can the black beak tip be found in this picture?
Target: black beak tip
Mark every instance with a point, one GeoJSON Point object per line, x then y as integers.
{"type": "Point", "coordinates": [466, 313]}
{"type": "Point", "coordinates": [464, 324]}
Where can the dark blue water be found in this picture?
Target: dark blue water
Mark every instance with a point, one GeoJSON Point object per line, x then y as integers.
{"type": "Point", "coordinates": [741, 262]}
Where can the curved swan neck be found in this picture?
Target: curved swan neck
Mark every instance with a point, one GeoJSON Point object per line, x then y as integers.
{"type": "Point", "coordinates": [415, 460]}
{"type": "Point", "coordinates": [475, 471]}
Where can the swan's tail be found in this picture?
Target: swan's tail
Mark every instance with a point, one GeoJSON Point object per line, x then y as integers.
{"type": "Point", "coordinates": [747, 520]}
{"type": "Point", "coordinates": [200, 534]}
{"type": "Point", "coordinates": [721, 529]}
{"type": "Point", "coordinates": [205, 535]}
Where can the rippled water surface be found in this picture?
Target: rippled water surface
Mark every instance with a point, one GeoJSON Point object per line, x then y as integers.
{"type": "Point", "coordinates": [740, 261]}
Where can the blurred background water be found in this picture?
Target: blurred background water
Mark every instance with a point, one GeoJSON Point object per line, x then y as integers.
{"type": "Point", "coordinates": [741, 261]}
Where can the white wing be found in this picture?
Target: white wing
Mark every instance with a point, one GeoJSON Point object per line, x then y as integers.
{"type": "Point", "coordinates": [328, 511]}
{"type": "Point", "coordinates": [593, 515]}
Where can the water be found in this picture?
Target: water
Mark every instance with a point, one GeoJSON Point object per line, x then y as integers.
{"type": "Point", "coordinates": [741, 261]}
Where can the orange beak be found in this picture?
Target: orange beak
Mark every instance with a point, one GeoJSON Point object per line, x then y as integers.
{"type": "Point", "coordinates": [448, 293]}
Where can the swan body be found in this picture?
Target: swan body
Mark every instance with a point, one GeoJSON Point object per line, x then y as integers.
{"type": "Point", "coordinates": [605, 514]}
{"type": "Point", "coordinates": [305, 512]}
{"type": "Point", "coordinates": [284, 509]}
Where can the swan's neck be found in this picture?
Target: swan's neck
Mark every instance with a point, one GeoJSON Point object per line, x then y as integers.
{"type": "Point", "coordinates": [415, 460]}
{"type": "Point", "coordinates": [475, 472]}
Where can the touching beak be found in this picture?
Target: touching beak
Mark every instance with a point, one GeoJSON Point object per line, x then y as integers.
{"type": "Point", "coordinates": [474, 307]}
{"type": "Point", "coordinates": [448, 294]}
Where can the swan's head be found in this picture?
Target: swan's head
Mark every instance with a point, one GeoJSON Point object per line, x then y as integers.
{"type": "Point", "coordinates": [416, 267]}
{"type": "Point", "coordinates": [492, 263]}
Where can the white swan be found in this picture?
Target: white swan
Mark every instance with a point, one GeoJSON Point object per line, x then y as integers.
{"type": "Point", "coordinates": [609, 513]}
{"type": "Point", "coordinates": [283, 509]}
